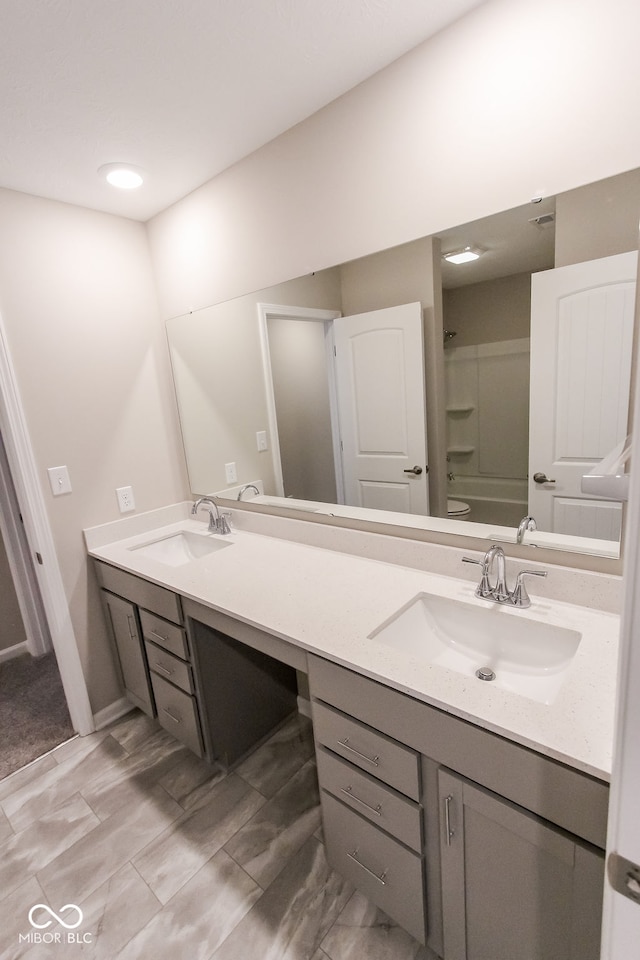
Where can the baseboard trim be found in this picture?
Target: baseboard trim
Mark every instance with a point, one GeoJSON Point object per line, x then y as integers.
{"type": "Point", "coordinates": [15, 651]}
{"type": "Point", "coordinates": [111, 713]}
{"type": "Point", "coordinates": [304, 707]}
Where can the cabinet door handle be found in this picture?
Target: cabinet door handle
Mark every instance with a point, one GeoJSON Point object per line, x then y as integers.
{"type": "Point", "coordinates": [169, 714]}
{"type": "Point", "coordinates": [345, 743]}
{"type": "Point", "coordinates": [372, 873]}
{"type": "Point", "coordinates": [447, 819]}
{"type": "Point", "coordinates": [165, 670]}
{"type": "Point", "coordinates": [349, 793]}
{"type": "Point", "coordinates": [132, 627]}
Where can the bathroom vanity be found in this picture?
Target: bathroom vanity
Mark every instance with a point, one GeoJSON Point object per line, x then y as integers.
{"type": "Point", "coordinates": [473, 815]}
{"type": "Point", "coordinates": [188, 679]}
{"type": "Point", "coordinates": [487, 848]}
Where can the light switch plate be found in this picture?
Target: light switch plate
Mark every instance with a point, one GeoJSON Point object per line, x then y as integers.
{"type": "Point", "coordinates": [261, 440]}
{"type": "Point", "coordinates": [125, 499]}
{"type": "Point", "coordinates": [231, 472]}
{"type": "Point", "coordinates": [59, 480]}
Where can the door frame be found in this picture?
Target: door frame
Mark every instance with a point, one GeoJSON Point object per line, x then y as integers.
{"type": "Point", "coordinates": [266, 311]}
{"type": "Point", "coordinates": [621, 917]}
{"type": "Point", "coordinates": [38, 639]}
{"type": "Point", "coordinates": [24, 473]}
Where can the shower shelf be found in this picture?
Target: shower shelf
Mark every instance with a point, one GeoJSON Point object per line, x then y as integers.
{"type": "Point", "coordinates": [454, 408]}
{"type": "Point", "coordinates": [460, 451]}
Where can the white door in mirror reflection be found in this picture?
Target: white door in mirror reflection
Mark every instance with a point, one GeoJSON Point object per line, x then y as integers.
{"type": "Point", "coordinates": [380, 376]}
{"type": "Point", "coordinates": [581, 339]}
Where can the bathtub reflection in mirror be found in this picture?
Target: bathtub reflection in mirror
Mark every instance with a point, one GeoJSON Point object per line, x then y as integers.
{"type": "Point", "coordinates": [264, 364]}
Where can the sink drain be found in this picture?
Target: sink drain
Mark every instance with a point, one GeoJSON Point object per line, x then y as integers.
{"type": "Point", "coordinates": [485, 673]}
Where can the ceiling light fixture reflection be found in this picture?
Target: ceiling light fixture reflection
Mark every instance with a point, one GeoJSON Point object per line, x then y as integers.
{"type": "Point", "coordinates": [462, 256]}
{"type": "Point", "coordinates": [125, 176]}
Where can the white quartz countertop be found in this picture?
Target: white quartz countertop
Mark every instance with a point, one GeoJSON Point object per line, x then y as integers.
{"type": "Point", "coordinates": [328, 603]}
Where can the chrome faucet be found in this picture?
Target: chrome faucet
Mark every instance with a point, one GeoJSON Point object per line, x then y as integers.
{"type": "Point", "coordinates": [499, 591]}
{"type": "Point", "coordinates": [217, 524]}
{"type": "Point", "coordinates": [248, 486]}
{"type": "Point", "coordinates": [527, 523]}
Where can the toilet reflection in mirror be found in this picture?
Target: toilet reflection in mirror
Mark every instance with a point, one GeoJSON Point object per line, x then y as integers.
{"type": "Point", "coordinates": [266, 361]}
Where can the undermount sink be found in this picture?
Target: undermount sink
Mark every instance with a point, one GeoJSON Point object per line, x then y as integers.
{"type": "Point", "coordinates": [180, 548]}
{"type": "Point", "coordinates": [525, 656]}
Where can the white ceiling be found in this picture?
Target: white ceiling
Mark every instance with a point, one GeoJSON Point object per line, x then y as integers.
{"type": "Point", "coordinates": [181, 88]}
{"type": "Point", "coordinates": [510, 242]}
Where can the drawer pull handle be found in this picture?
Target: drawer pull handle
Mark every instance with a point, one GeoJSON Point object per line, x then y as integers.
{"type": "Point", "coordinates": [169, 714]}
{"type": "Point", "coordinates": [159, 666]}
{"type": "Point", "coordinates": [159, 636]}
{"type": "Point", "coordinates": [447, 819]}
{"type": "Point", "coordinates": [349, 792]}
{"type": "Point", "coordinates": [381, 879]}
{"type": "Point", "coordinates": [345, 743]}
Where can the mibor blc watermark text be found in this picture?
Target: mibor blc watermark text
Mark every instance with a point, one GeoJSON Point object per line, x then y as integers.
{"type": "Point", "coordinates": [41, 917]}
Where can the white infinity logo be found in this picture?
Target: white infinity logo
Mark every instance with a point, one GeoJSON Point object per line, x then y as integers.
{"type": "Point", "coordinates": [55, 916]}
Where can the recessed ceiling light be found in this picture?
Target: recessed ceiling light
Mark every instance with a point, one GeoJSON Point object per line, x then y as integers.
{"type": "Point", "coordinates": [462, 256]}
{"type": "Point", "coordinates": [122, 175]}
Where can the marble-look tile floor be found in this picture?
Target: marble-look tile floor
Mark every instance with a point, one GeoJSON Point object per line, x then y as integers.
{"type": "Point", "coordinates": [168, 857]}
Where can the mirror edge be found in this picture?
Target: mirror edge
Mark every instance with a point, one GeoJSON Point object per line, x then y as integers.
{"type": "Point", "coordinates": [559, 558]}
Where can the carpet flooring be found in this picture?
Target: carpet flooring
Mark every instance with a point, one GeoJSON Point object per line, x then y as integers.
{"type": "Point", "coordinates": [33, 710]}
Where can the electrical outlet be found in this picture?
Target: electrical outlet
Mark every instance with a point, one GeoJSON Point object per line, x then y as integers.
{"type": "Point", "coordinates": [59, 480]}
{"type": "Point", "coordinates": [261, 440]}
{"type": "Point", "coordinates": [125, 499]}
{"type": "Point", "coordinates": [231, 473]}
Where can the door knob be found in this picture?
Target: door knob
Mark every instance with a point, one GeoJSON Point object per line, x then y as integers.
{"type": "Point", "coordinates": [416, 471]}
{"type": "Point", "coordinates": [542, 478]}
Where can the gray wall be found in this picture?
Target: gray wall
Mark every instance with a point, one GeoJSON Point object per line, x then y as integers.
{"type": "Point", "coordinates": [488, 312]}
{"type": "Point", "coordinates": [301, 389]}
{"type": "Point", "coordinates": [79, 307]}
{"type": "Point", "coordinates": [11, 625]}
{"type": "Point", "coordinates": [598, 220]}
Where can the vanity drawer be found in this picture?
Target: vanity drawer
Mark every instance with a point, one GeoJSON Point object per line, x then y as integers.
{"type": "Point", "coordinates": [374, 752]}
{"type": "Point", "coordinates": [385, 871]}
{"type": "Point", "coordinates": [380, 804]}
{"type": "Point", "coordinates": [139, 591]}
{"type": "Point", "coordinates": [175, 671]}
{"type": "Point", "coordinates": [165, 634]}
{"type": "Point", "coordinates": [563, 795]}
{"type": "Point", "coordinates": [177, 713]}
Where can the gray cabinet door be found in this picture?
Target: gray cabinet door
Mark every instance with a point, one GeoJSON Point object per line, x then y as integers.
{"type": "Point", "coordinates": [135, 675]}
{"type": "Point", "coordinates": [514, 887]}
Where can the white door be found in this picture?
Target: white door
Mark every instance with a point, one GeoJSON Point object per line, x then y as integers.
{"type": "Point", "coordinates": [621, 920]}
{"type": "Point", "coordinates": [581, 338]}
{"type": "Point", "coordinates": [381, 404]}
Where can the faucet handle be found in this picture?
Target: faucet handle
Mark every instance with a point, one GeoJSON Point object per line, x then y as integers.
{"type": "Point", "coordinates": [520, 597]}
{"type": "Point", "coordinates": [222, 525]}
{"type": "Point", "coordinates": [484, 589]}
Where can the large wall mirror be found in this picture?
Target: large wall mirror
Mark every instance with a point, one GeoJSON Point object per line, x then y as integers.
{"type": "Point", "coordinates": [409, 389]}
